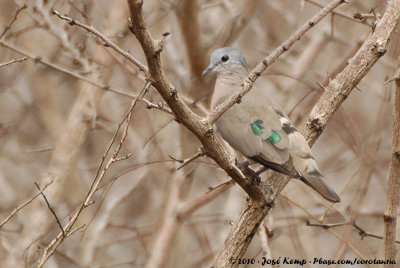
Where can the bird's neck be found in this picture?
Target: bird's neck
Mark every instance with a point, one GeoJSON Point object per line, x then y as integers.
{"type": "Point", "coordinates": [226, 85]}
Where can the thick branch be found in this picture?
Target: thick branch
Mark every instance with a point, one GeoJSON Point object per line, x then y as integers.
{"type": "Point", "coordinates": [197, 125]}
{"type": "Point", "coordinates": [393, 186]}
{"type": "Point", "coordinates": [338, 89]}
{"type": "Point", "coordinates": [374, 47]}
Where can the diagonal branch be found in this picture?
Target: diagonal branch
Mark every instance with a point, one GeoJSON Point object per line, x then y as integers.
{"type": "Point", "coordinates": [101, 171]}
{"type": "Point", "coordinates": [336, 92]}
{"type": "Point", "coordinates": [201, 127]}
{"type": "Point", "coordinates": [107, 42]}
{"type": "Point", "coordinates": [197, 125]}
{"type": "Point", "coordinates": [262, 66]}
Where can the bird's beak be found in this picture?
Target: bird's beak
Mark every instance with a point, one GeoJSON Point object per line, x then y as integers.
{"type": "Point", "coordinates": [207, 70]}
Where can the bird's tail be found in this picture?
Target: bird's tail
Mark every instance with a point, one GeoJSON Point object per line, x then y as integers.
{"type": "Point", "coordinates": [313, 178]}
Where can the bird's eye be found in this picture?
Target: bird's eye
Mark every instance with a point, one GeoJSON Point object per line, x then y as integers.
{"type": "Point", "coordinates": [225, 58]}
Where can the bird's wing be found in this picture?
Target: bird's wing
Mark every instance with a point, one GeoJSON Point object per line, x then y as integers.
{"type": "Point", "coordinates": [257, 128]}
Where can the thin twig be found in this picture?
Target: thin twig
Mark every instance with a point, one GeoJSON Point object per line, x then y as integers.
{"type": "Point", "coordinates": [343, 14]}
{"type": "Point", "coordinates": [336, 92]}
{"type": "Point", "coordinates": [53, 245]}
{"type": "Point", "coordinates": [8, 27]}
{"type": "Point", "coordinates": [393, 78]}
{"type": "Point", "coordinates": [38, 59]}
{"type": "Point", "coordinates": [107, 42]}
{"type": "Point", "coordinates": [262, 66]}
{"type": "Point", "coordinates": [360, 230]}
{"type": "Point", "coordinates": [186, 161]}
{"type": "Point", "coordinates": [23, 205]}
{"type": "Point", "coordinates": [13, 61]}
{"type": "Point", "coordinates": [50, 208]}
{"type": "Point", "coordinates": [189, 207]}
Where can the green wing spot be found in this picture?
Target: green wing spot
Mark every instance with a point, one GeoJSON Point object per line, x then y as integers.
{"type": "Point", "coordinates": [274, 138]}
{"type": "Point", "coordinates": [257, 127]}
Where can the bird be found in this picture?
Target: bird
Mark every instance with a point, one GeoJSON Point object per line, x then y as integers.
{"type": "Point", "coordinates": [257, 126]}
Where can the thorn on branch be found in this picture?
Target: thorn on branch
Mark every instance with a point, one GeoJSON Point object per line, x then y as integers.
{"type": "Point", "coordinates": [37, 59]}
{"type": "Point", "coordinates": [265, 62]}
{"type": "Point", "coordinates": [89, 204]}
{"type": "Point", "coordinates": [158, 51]}
{"type": "Point", "coordinates": [130, 26]}
{"type": "Point", "coordinates": [186, 161]}
{"type": "Point", "coordinates": [175, 159]}
{"type": "Point", "coordinates": [239, 98]}
{"type": "Point", "coordinates": [173, 93]}
{"type": "Point", "coordinates": [315, 125]}
{"type": "Point", "coordinates": [209, 132]}
{"type": "Point", "coordinates": [379, 48]}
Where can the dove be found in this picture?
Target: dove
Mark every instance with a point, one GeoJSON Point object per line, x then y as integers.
{"type": "Point", "coordinates": [257, 126]}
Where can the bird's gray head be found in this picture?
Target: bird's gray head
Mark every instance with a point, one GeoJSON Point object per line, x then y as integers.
{"type": "Point", "coordinates": [226, 59]}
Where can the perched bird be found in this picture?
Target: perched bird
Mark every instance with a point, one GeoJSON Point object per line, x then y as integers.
{"type": "Point", "coordinates": [258, 127]}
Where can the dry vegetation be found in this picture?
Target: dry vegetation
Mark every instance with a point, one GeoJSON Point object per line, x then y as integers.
{"type": "Point", "coordinates": [131, 178]}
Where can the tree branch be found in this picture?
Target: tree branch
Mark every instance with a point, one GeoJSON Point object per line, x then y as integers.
{"type": "Point", "coordinates": [393, 186]}
{"type": "Point", "coordinates": [107, 41]}
{"type": "Point", "coordinates": [262, 66]}
{"type": "Point", "coordinates": [336, 92]}
{"type": "Point", "coordinates": [261, 198]}
{"type": "Point", "coordinates": [197, 125]}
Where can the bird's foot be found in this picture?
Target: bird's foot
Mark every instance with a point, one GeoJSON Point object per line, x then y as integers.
{"type": "Point", "coordinates": [255, 179]}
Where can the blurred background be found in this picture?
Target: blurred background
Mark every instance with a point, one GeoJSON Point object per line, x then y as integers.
{"type": "Point", "coordinates": [61, 106]}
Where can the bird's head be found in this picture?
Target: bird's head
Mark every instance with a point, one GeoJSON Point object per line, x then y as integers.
{"type": "Point", "coordinates": [226, 59]}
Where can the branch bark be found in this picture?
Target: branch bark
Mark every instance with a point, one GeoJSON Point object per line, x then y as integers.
{"type": "Point", "coordinates": [262, 66]}
{"type": "Point", "coordinates": [201, 127]}
{"type": "Point", "coordinates": [393, 186]}
{"type": "Point", "coordinates": [196, 124]}
{"type": "Point", "coordinates": [337, 91]}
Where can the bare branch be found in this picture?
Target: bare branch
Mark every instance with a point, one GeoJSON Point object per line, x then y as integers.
{"type": "Point", "coordinates": [197, 125]}
{"type": "Point", "coordinates": [262, 66]}
{"type": "Point", "coordinates": [361, 20]}
{"type": "Point", "coordinates": [13, 61]}
{"type": "Point", "coordinates": [8, 27]}
{"type": "Point", "coordinates": [22, 206]}
{"type": "Point", "coordinates": [107, 42]}
{"type": "Point", "coordinates": [47, 63]}
{"type": "Point", "coordinates": [50, 208]}
{"type": "Point", "coordinates": [53, 245]}
{"type": "Point", "coordinates": [340, 87]}
{"type": "Point", "coordinates": [337, 91]}
{"type": "Point", "coordinates": [393, 185]}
